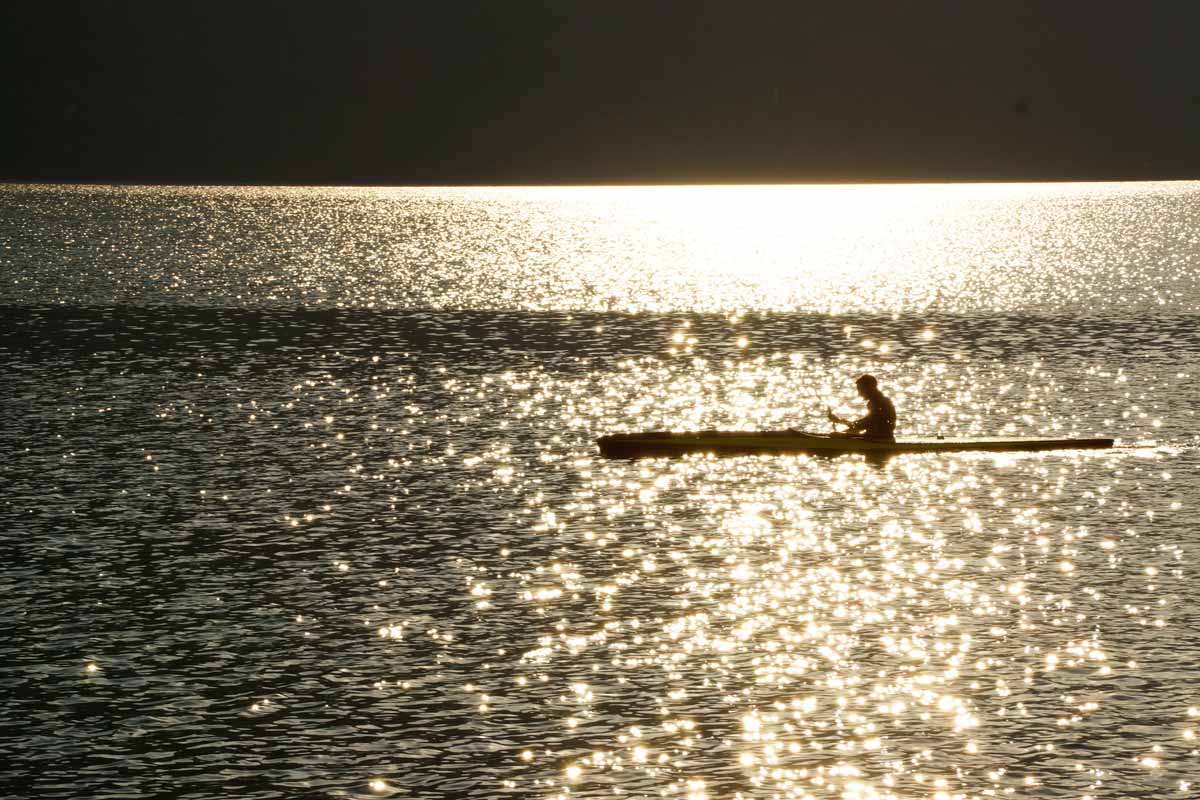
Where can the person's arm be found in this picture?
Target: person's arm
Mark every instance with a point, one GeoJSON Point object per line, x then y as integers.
{"type": "Point", "coordinates": [851, 427]}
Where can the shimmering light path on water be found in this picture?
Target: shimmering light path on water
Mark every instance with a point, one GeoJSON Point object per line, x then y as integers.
{"type": "Point", "coordinates": [275, 552]}
{"type": "Point", "coordinates": [828, 249]}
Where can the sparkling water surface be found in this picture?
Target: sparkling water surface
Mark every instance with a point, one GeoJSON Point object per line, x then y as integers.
{"type": "Point", "coordinates": [301, 496]}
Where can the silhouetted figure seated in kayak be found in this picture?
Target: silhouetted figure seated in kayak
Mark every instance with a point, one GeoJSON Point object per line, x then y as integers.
{"type": "Point", "coordinates": [879, 423]}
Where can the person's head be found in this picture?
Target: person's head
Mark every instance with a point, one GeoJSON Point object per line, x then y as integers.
{"type": "Point", "coordinates": [867, 385]}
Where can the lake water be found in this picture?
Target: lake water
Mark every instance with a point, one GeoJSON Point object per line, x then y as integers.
{"type": "Point", "coordinates": [300, 496]}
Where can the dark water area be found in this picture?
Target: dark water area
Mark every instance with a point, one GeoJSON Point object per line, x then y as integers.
{"type": "Point", "coordinates": [466, 337]}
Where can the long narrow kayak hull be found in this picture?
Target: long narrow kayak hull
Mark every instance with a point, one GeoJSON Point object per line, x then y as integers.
{"type": "Point", "coordinates": [665, 443]}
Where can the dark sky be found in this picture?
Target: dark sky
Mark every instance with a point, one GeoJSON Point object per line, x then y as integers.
{"type": "Point", "coordinates": [568, 91]}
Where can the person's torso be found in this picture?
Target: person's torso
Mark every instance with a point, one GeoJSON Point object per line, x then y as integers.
{"type": "Point", "coordinates": [881, 417]}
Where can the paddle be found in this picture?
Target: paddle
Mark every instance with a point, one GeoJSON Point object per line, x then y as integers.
{"type": "Point", "coordinates": [835, 419]}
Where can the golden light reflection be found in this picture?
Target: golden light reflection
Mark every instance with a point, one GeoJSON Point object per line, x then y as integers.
{"type": "Point", "coordinates": [766, 625]}
{"type": "Point", "coordinates": [807, 622]}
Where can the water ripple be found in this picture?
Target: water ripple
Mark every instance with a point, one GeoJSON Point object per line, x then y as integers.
{"type": "Point", "coordinates": [353, 553]}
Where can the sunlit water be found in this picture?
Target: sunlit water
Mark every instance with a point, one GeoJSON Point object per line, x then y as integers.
{"type": "Point", "coordinates": [300, 497]}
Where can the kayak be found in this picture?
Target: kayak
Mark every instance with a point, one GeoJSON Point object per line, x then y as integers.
{"type": "Point", "coordinates": [668, 443]}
